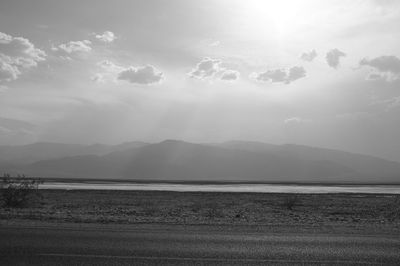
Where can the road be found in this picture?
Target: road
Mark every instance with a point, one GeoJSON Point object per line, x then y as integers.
{"type": "Point", "coordinates": [167, 245]}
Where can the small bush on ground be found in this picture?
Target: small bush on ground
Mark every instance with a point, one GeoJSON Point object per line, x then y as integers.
{"type": "Point", "coordinates": [394, 209]}
{"type": "Point", "coordinates": [196, 206]}
{"type": "Point", "coordinates": [17, 192]}
{"type": "Point", "coordinates": [213, 210]}
{"type": "Point", "coordinates": [290, 201]}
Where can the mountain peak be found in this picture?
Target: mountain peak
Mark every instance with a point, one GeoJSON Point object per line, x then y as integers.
{"type": "Point", "coordinates": [173, 142]}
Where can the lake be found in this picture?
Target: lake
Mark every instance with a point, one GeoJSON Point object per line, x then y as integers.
{"type": "Point", "coordinates": [256, 188]}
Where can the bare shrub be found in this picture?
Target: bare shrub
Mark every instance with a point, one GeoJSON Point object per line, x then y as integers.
{"type": "Point", "coordinates": [149, 208]}
{"type": "Point", "coordinates": [196, 206]}
{"type": "Point", "coordinates": [17, 192]}
{"type": "Point", "coordinates": [290, 201]}
{"type": "Point", "coordinates": [213, 210]}
{"type": "Point", "coordinates": [393, 209]}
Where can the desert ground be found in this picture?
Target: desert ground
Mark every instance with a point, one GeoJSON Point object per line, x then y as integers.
{"type": "Point", "coordinates": [324, 212]}
{"type": "Point", "coordinates": [89, 227]}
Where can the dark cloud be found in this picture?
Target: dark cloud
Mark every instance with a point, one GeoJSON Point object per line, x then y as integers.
{"type": "Point", "coordinates": [141, 75]}
{"type": "Point", "coordinates": [333, 57]}
{"type": "Point", "coordinates": [385, 63]}
{"type": "Point", "coordinates": [281, 75]}
{"type": "Point", "coordinates": [230, 75]}
{"type": "Point", "coordinates": [309, 56]}
{"type": "Point", "coordinates": [374, 76]}
{"type": "Point", "coordinates": [386, 67]}
{"type": "Point", "coordinates": [295, 73]}
{"type": "Point", "coordinates": [276, 75]}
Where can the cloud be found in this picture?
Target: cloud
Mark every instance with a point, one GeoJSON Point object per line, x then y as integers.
{"type": "Point", "coordinates": [16, 55]}
{"type": "Point", "coordinates": [387, 67]}
{"type": "Point", "coordinates": [333, 57]}
{"type": "Point", "coordinates": [309, 56]}
{"type": "Point", "coordinates": [141, 75]}
{"type": "Point", "coordinates": [353, 115]}
{"type": "Point", "coordinates": [110, 66]}
{"type": "Point", "coordinates": [3, 88]}
{"type": "Point", "coordinates": [211, 68]}
{"type": "Point", "coordinates": [276, 75]}
{"type": "Point", "coordinates": [215, 43]}
{"type": "Point", "coordinates": [74, 47]}
{"type": "Point", "coordinates": [280, 75]}
{"type": "Point", "coordinates": [108, 71]}
{"type": "Point", "coordinates": [206, 68]}
{"type": "Point", "coordinates": [98, 78]}
{"type": "Point", "coordinates": [386, 3]}
{"type": "Point", "coordinates": [106, 37]}
{"type": "Point", "coordinates": [388, 104]}
{"type": "Point", "coordinates": [393, 103]}
{"type": "Point", "coordinates": [8, 71]}
{"type": "Point", "coordinates": [230, 75]}
{"type": "Point", "coordinates": [375, 76]}
{"type": "Point", "coordinates": [383, 63]}
{"type": "Point", "coordinates": [11, 130]}
{"type": "Point", "coordinates": [295, 73]}
{"type": "Point", "coordinates": [296, 120]}
{"type": "Point", "coordinates": [13, 124]}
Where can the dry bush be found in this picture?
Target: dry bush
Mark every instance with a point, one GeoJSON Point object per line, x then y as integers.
{"type": "Point", "coordinates": [290, 201]}
{"type": "Point", "coordinates": [17, 192]}
{"type": "Point", "coordinates": [213, 210]}
{"type": "Point", "coordinates": [393, 212]}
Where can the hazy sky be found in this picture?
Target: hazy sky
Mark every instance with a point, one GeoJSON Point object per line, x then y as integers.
{"type": "Point", "coordinates": [320, 73]}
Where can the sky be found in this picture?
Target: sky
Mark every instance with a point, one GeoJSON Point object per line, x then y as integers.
{"type": "Point", "coordinates": [319, 73]}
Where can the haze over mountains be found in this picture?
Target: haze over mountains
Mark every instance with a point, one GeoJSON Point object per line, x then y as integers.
{"type": "Point", "coordinates": [30, 153]}
{"type": "Point", "coordinates": [182, 161]}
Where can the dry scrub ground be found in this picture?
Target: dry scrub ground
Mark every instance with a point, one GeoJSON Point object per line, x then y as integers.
{"type": "Point", "coordinates": [133, 207]}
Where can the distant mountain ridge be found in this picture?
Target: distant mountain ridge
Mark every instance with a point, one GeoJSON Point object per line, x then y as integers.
{"type": "Point", "coordinates": [179, 160]}
{"type": "Point", "coordinates": [364, 164]}
{"type": "Point", "coordinates": [26, 154]}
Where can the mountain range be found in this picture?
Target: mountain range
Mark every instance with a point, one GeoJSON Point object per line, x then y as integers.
{"type": "Point", "coordinates": [174, 160]}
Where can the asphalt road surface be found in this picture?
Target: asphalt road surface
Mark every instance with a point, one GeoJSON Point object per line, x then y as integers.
{"type": "Point", "coordinates": [161, 245]}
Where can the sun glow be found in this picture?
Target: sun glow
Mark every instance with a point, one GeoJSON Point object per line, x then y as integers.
{"type": "Point", "coordinates": [282, 18]}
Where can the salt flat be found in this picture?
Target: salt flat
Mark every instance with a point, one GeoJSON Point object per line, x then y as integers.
{"type": "Point", "coordinates": [256, 188]}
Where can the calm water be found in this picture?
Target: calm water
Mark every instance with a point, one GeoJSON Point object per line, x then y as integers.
{"type": "Point", "coordinates": [274, 188]}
